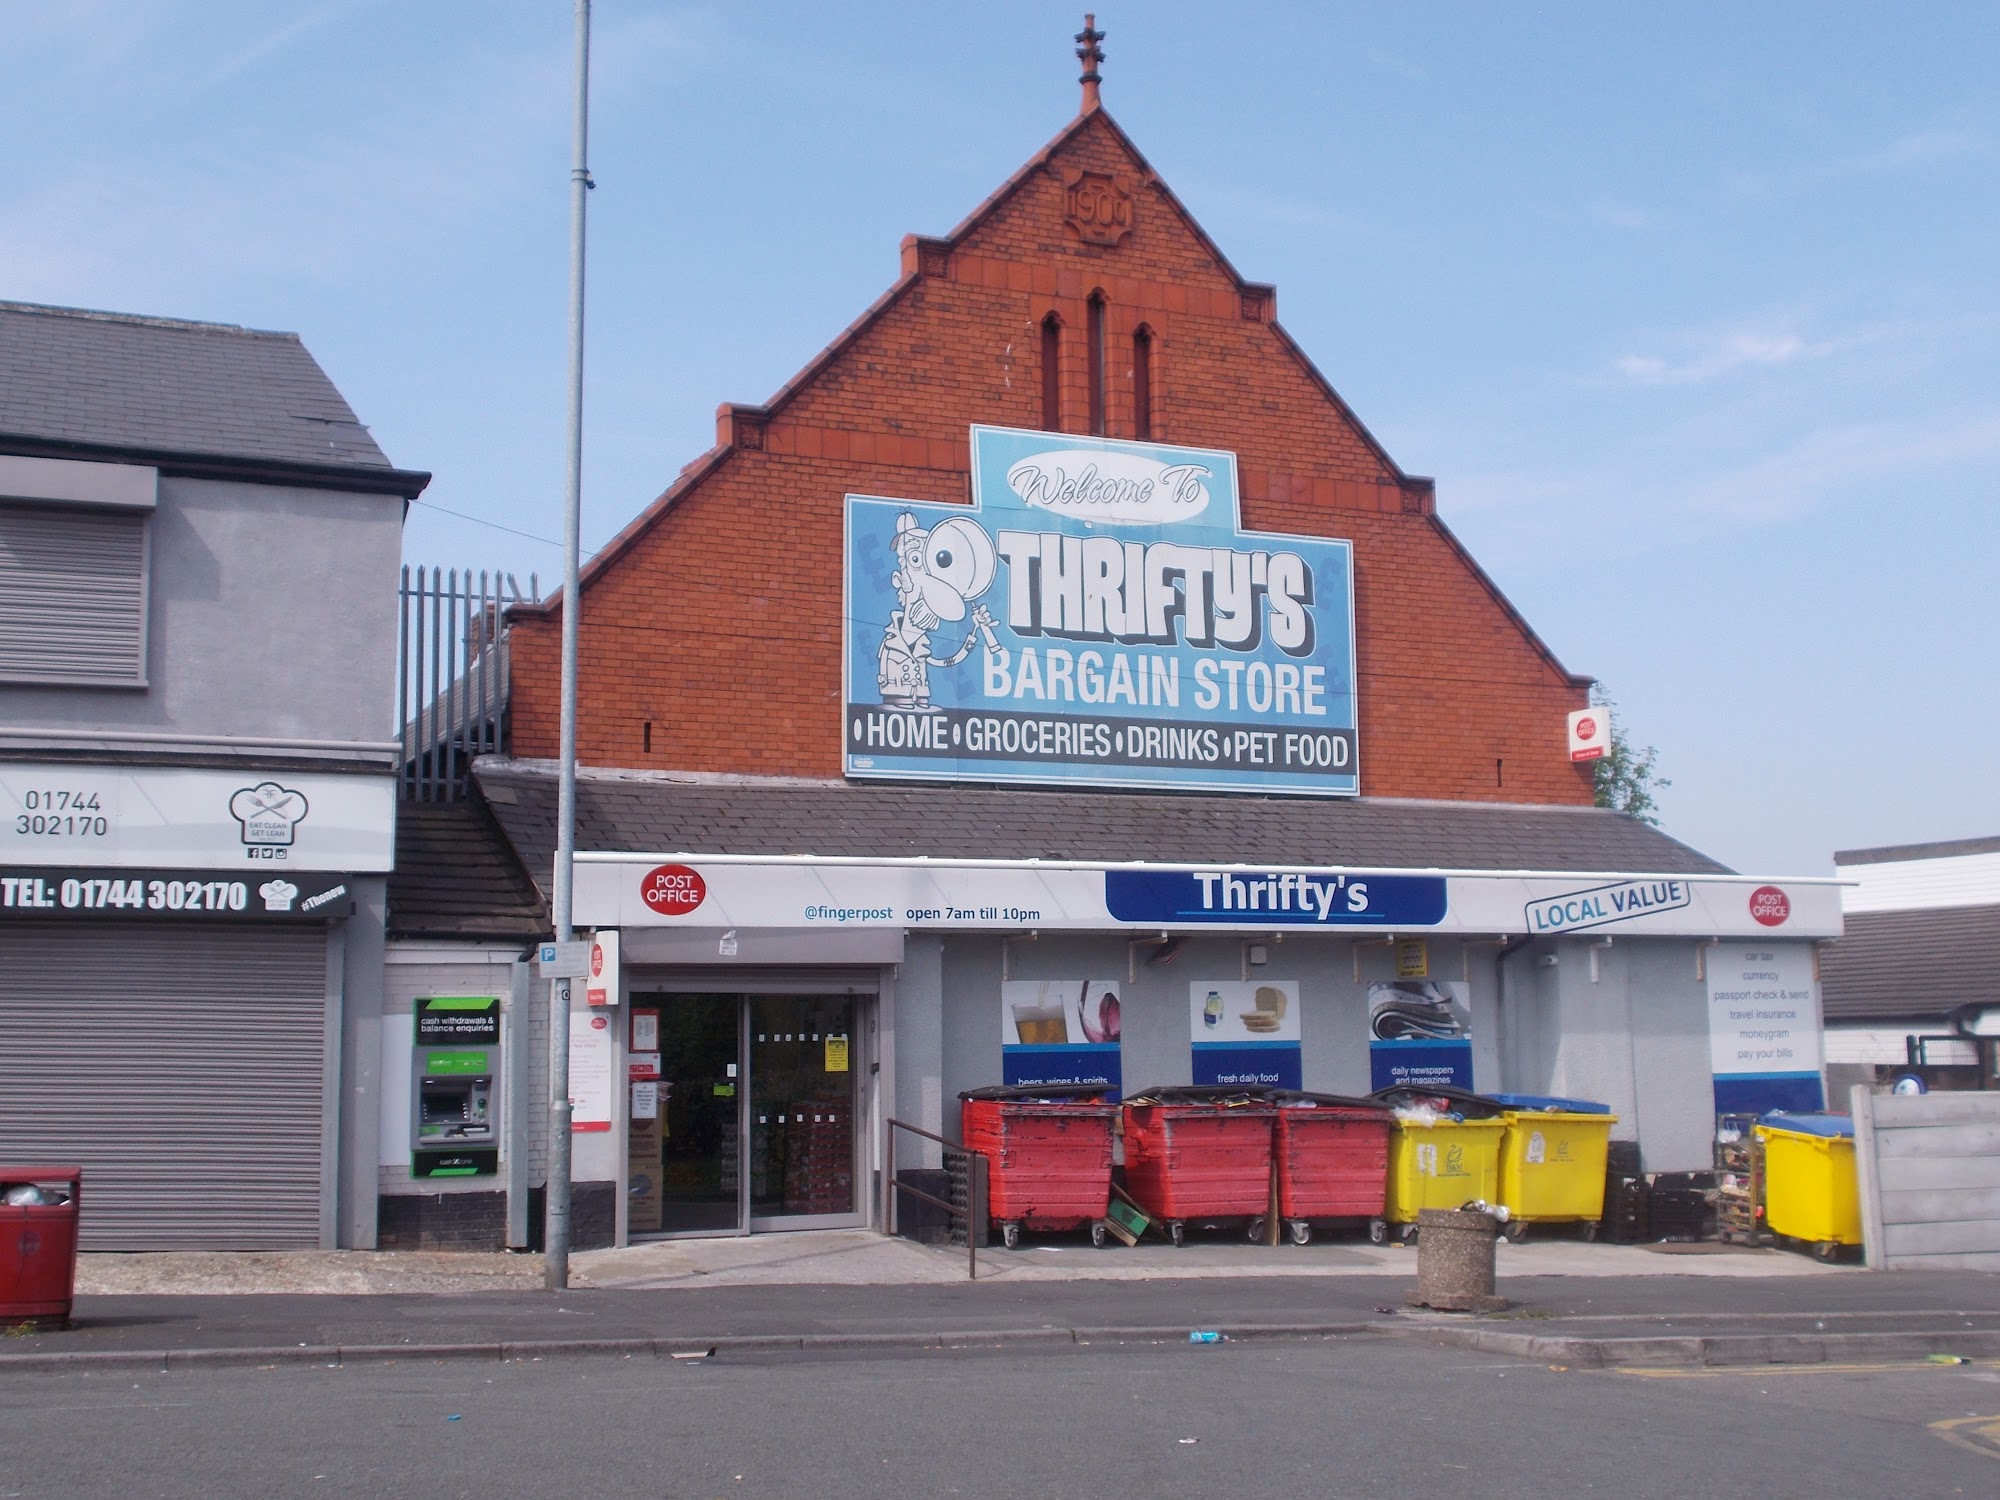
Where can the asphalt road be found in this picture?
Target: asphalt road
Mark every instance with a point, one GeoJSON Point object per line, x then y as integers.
{"type": "Point", "coordinates": [1319, 1418]}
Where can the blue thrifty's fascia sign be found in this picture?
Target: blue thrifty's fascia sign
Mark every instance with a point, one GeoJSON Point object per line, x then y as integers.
{"type": "Point", "coordinates": [1098, 615]}
{"type": "Point", "coordinates": [1277, 898]}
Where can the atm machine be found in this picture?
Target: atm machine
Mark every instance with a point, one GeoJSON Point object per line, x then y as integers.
{"type": "Point", "coordinates": [454, 1098]}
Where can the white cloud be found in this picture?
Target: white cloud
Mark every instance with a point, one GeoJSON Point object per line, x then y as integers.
{"type": "Point", "coordinates": [1920, 148]}
{"type": "Point", "coordinates": [1698, 358]}
{"type": "Point", "coordinates": [1806, 471]}
{"type": "Point", "coordinates": [1725, 355]}
{"type": "Point", "coordinates": [1619, 215]}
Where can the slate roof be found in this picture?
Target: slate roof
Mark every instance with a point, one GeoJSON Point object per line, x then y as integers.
{"type": "Point", "coordinates": [137, 386]}
{"type": "Point", "coordinates": [642, 814]}
{"type": "Point", "coordinates": [1898, 853]}
{"type": "Point", "coordinates": [1900, 965]}
{"type": "Point", "coordinates": [456, 877]}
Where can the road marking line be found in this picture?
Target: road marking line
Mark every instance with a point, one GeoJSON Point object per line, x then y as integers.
{"type": "Point", "coordinates": [1979, 1435]}
{"type": "Point", "coordinates": [1760, 1371]}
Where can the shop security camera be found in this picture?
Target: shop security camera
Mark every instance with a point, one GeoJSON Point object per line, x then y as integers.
{"type": "Point", "coordinates": [1549, 960]}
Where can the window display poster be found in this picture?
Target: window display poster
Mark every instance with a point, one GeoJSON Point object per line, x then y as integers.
{"type": "Point", "coordinates": [1246, 1033]}
{"type": "Point", "coordinates": [1764, 1028]}
{"type": "Point", "coordinates": [589, 1071]}
{"type": "Point", "coordinates": [1055, 1031]}
{"type": "Point", "coordinates": [1420, 1032]}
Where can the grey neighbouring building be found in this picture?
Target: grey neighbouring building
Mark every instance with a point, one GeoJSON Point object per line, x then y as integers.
{"type": "Point", "coordinates": [198, 551]}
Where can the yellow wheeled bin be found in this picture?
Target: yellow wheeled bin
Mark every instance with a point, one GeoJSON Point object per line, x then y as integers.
{"type": "Point", "coordinates": [1445, 1163]}
{"type": "Point", "coordinates": [1811, 1191]}
{"type": "Point", "coordinates": [1553, 1161]}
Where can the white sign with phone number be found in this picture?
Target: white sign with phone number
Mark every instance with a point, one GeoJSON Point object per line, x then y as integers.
{"type": "Point", "coordinates": [54, 814]}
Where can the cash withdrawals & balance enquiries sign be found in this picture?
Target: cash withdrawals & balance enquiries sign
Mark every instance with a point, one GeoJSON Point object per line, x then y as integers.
{"type": "Point", "coordinates": [1097, 614]}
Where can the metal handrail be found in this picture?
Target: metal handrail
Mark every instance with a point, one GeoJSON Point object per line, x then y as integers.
{"type": "Point", "coordinates": [975, 1189]}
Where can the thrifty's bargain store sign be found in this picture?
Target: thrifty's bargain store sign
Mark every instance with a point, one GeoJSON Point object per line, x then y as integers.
{"type": "Point", "coordinates": [1097, 614]}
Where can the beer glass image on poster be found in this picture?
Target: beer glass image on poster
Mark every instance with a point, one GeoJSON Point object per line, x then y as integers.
{"type": "Point", "coordinates": [1060, 1031]}
{"type": "Point", "coordinates": [1245, 1033]}
{"type": "Point", "coordinates": [1419, 1032]}
{"type": "Point", "coordinates": [1098, 613]}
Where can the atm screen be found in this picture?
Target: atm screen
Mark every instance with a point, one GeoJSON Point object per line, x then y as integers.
{"type": "Point", "coordinates": [453, 1101]}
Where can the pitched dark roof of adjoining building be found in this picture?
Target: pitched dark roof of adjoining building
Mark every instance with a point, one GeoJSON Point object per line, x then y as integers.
{"type": "Point", "coordinates": [1897, 853]}
{"type": "Point", "coordinates": [1904, 965]}
{"type": "Point", "coordinates": [160, 390]}
{"type": "Point", "coordinates": [456, 876]}
{"type": "Point", "coordinates": [642, 814]}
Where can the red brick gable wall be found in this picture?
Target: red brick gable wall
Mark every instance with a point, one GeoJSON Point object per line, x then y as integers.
{"type": "Point", "coordinates": [711, 636]}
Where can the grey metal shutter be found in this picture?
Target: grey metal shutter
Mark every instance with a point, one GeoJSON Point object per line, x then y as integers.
{"type": "Point", "coordinates": [72, 595]}
{"type": "Point", "coordinates": [184, 1069]}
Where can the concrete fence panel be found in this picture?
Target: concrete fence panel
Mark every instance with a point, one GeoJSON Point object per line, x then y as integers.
{"type": "Point", "coordinates": [1929, 1166]}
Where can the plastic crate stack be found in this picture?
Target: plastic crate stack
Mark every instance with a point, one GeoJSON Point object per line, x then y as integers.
{"type": "Point", "coordinates": [1739, 1180]}
{"type": "Point", "coordinates": [1626, 1193]}
{"type": "Point", "coordinates": [819, 1162]}
{"type": "Point", "coordinates": [1678, 1205]}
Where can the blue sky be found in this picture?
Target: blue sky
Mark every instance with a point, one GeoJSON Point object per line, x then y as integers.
{"type": "Point", "coordinates": [1689, 310]}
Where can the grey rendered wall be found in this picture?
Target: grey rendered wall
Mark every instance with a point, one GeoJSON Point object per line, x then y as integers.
{"type": "Point", "coordinates": [360, 1062]}
{"type": "Point", "coordinates": [1675, 1078]}
{"type": "Point", "coordinates": [1155, 1007]}
{"type": "Point", "coordinates": [1635, 1038]}
{"type": "Point", "coordinates": [912, 1039]}
{"type": "Point", "coordinates": [272, 615]}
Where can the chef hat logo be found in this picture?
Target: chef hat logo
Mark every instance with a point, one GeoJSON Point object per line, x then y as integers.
{"type": "Point", "coordinates": [268, 812]}
{"type": "Point", "coordinates": [278, 894]}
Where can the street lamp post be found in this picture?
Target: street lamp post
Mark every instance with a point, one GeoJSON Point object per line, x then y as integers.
{"type": "Point", "coordinates": [557, 1243]}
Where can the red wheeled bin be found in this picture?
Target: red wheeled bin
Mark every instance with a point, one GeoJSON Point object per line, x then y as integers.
{"type": "Point", "coordinates": [38, 1245]}
{"type": "Point", "coordinates": [1333, 1162]}
{"type": "Point", "coordinates": [1200, 1153]}
{"type": "Point", "coordinates": [1048, 1156]}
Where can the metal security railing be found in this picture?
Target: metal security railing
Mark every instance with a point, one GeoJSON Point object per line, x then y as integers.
{"type": "Point", "coordinates": [966, 1207]}
{"type": "Point", "coordinates": [452, 688]}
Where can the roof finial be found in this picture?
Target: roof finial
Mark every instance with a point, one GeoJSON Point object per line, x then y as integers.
{"type": "Point", "coordinates": [1090, 55]}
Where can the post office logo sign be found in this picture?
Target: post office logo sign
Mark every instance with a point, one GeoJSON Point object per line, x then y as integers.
{"type": "Point", "coordinates": [672, 891]}
{"type": "Point", "coordinates": [269, 815]}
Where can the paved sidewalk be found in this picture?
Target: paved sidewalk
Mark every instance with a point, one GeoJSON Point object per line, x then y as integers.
{"type": "Point", "coordinates": [832, 1290]}
{"type": "Point", "coordinates": [859, 1257]}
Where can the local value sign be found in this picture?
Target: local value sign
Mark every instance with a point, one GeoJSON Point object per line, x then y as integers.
{"type": "Point", "coordinates": [1097, 614]}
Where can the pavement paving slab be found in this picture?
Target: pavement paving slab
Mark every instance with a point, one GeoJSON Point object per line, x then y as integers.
{"type": "Point", "coordinates": [1575, 1302]}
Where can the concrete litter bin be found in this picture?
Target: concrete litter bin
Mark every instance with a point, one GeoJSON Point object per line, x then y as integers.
{"type": "Point", "coordinates": [1455, 1261]}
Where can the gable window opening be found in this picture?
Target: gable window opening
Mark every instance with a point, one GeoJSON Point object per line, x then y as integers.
{"type": "Point", "coordinates": [1142, 383]}
{"type": "Point", "coordinates": [1051, 373]}
{"type": "Point", "coordinates": [1096, 351]}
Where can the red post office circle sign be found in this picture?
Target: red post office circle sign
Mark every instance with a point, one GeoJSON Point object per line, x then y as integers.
{"type": "Point", "coordinates": [673, 890]}
{"type": "Point", "coordinates": [1770, 906]}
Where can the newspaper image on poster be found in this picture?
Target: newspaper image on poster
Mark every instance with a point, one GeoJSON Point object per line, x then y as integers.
{"type": "Point", "coordinates": [1061, 1031]}
{"type": "Point", "coordinates": [1098, 613]}
{"type": "Point", "coordinates": [1420, 1032]}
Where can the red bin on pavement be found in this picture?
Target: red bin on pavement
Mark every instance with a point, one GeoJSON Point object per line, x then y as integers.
{"type": "Point", "coordinates": [38, 1247]}
{"type": "Point", "coordinates": [1333, 1161]}
{"type": "Point", "coordinates": [1193, 1153]}
{"type": "Point", "coordinates": [1048, 1156]}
